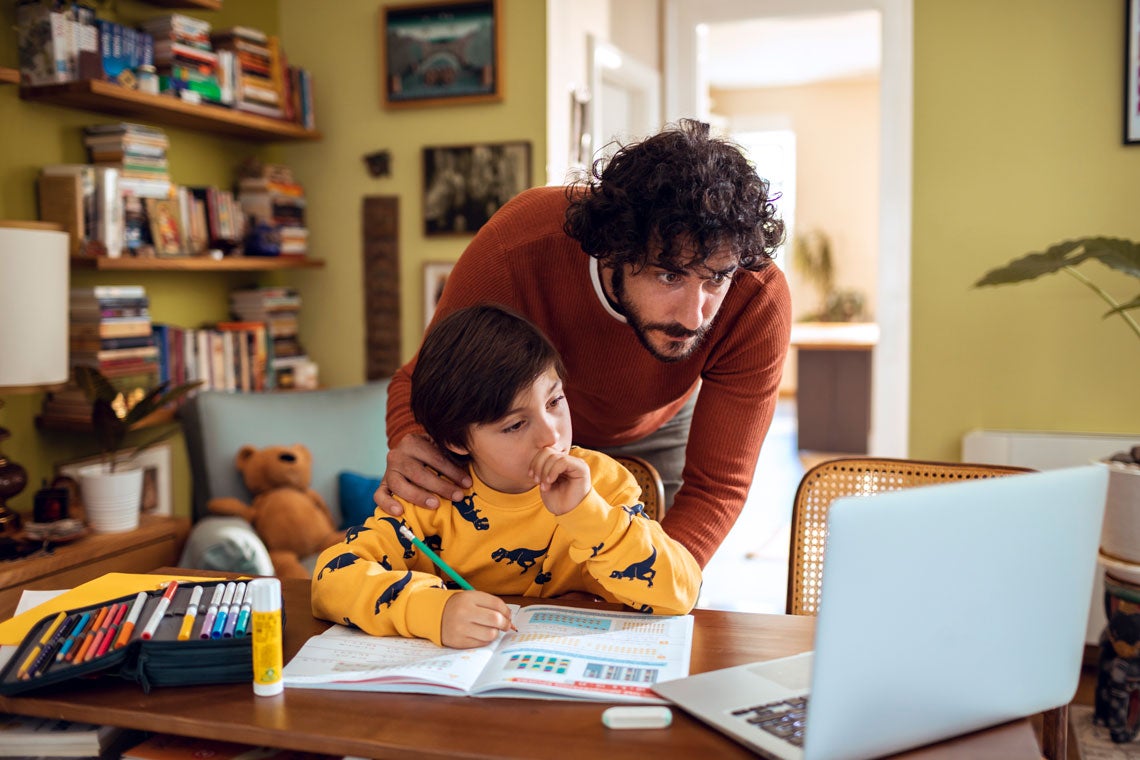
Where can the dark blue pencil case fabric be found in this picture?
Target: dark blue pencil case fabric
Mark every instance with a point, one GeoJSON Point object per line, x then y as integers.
{"type": "Point", "coordinates": [162, 660]}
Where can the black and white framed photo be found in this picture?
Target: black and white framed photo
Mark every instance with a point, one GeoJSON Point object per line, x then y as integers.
{"type": "Point", "coordinates": [464, 185]}
{"type": "Point", "coordinates": [435, 277]}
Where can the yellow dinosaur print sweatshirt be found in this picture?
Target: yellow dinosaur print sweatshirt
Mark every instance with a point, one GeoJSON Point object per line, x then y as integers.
{"type": "Point", "coordinates": [506, 544]}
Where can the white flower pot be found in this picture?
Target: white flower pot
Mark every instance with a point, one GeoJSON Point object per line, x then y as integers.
{"type": "Point", "coordinates": [111, 499]}
{"type": "Point", "coordinates": [1120, 537]}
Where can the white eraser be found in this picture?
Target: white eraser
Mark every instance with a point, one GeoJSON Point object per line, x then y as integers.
{"type": "Point", "coordinates": [637, 717]}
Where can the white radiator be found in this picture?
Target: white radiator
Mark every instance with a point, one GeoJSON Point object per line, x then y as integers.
{"type": "Point", "coordinates": [1048, 451]}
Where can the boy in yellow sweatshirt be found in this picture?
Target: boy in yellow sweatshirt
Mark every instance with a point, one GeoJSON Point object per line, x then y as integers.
{"type": "Point", "coordinates": [542, 517]}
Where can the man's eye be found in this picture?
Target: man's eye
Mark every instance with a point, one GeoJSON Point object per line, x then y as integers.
{"type": "Point", "coordinates": [669, 278]}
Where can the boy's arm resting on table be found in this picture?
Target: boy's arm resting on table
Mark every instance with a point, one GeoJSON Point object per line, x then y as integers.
{"type": "Point", "coordinates": [369, 582]}
{"type": "Point", "coordinates": [631, 556]}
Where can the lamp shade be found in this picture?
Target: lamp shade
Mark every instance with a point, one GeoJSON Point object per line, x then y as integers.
{"type": "Point", "coordinates": [34, 280]}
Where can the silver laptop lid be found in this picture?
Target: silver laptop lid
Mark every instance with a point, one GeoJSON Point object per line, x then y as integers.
{"type": "Point", "coordinates": [949, 608]}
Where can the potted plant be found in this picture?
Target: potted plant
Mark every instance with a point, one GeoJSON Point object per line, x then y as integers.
{"type": "Point", "coordinates": [1120, 537]}
{"type": "Point", "coordinates": [112, 489]}
{"type": "Point", "coordinates": [812, 260]}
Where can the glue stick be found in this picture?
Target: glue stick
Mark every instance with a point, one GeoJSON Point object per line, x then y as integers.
{"type": "Point", "coordinates": [266, 623]}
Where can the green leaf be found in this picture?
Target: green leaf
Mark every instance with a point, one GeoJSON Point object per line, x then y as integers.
{"type": "Point", "coordinates": [109, 429]}
{"type": "Point", "coordinates": [1133, 304]}
{"type": "Point", "coordinates": [1033, 265]}
{"type": "Point", "coordinates": [95, 385]}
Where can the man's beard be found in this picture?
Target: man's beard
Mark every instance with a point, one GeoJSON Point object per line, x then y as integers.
{"type": "Point", "coordinates": [641, 328]}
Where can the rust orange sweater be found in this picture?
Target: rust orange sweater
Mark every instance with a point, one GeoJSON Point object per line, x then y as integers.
{"type": "Point", "coordinates": [617, 392]}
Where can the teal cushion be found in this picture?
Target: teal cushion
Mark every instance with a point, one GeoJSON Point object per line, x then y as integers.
{"type": "Point", "coordinates": [356, 503]}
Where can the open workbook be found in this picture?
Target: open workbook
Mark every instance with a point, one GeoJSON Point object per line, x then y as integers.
{"type": "Point", "coordinates": [557, 653]}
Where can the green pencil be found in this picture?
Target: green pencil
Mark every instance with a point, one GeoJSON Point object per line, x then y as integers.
{"type": "Point", "coordinates": [406, 532]}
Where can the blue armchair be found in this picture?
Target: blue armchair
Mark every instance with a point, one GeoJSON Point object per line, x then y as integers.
{"type": "Point", "coordinates": [344, 428]}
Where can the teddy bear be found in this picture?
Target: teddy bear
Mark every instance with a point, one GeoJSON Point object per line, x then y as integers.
{"type": "Point", "coordinates": [292, 519]}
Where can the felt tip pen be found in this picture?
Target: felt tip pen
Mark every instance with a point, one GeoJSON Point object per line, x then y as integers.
{"type": "Point", "coordinates": [242, 627]}
{"type": "Point", "coordinates": [159, 611]}
{"type": "Point", "coordinates": [31, 658]}
{"type": "Point", "coordinates": [232, 615]}
{"type": "Point", "coordinates": [191, 614]}
{"type": "Point", "coordinates": [406, 532]}
{"type": "Point", "coordinates": [211, 611]}
{"type": "Point", "coordinates": [223, 611]}
{"type": "Point", "coordinates": [96, 625]}
{"type": "Point", "coordinates": [76, 631]}
{"type": "Point", "coordinates": [100, 642]}
{"type": "Point", "coordinates": [132, 619]}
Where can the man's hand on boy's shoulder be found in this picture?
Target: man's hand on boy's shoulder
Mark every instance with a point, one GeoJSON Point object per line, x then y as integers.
{"type": "Point", "coordinates": [417, 471]}
{"type": "Point", "coordinates": [563, 480]}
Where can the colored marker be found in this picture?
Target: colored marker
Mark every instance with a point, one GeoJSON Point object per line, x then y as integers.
{"type": "Point", "coordinates": [212, 611]}
{"type": "Point", "coordinates": [96, 624]}
{"type": "Point", "coordinates": [191, 614]}
{"type": "Point", "coordinates": [48, 654]}
{"type": "Point", "coordinates": [101, 635]}
{"type": "Point", "coordinates": [129, 626]}
{"type": "Point", "coordinates": [232, 615]}
{"type": "Point", "coordinates": [242, 627]}
{"type": "Point", "coordinates": [159, 611]}
{"type": "Point", "coordinates": [407, 533]}
{"type": "Point", "coordinates": [22, 673]}
{"type": "Point", "coordinates": [223, 611]}
{"type": "Point", "coordinates": [112, 629]}
{"type": "Point", "coordinates": [75, 631]}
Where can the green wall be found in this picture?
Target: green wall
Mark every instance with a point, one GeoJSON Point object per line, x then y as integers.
{"type": "Point", "coordinates": [1017, 145]}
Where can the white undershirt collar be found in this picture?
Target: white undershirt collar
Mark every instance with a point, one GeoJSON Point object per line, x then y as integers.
{"type": "Point", "coordinates": [596, 278]}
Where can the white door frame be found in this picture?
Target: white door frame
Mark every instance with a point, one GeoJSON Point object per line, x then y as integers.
{"type": "Point", "coordinates": [686, 95]}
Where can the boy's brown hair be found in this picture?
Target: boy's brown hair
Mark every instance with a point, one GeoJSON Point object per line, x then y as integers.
{"type": "Point", "coordinates": [470, 368]}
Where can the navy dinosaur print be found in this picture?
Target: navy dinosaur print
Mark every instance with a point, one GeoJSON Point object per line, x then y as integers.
{"type": "Point", "coordinates": [435, 543]}
{"type": "Point", "coordinates": [337, 562]}
{"type": "Point", "coordinates": [597, 548]}
{"type": "Point", "coordinates": [639, 571]}
{"type": "Point", "coordinates": [467, 510]}
{"type": "Point", "coordinates": [389, 594]}
{"type": "Point", "coordinates": [526, 558]}
{"type": "Point", "coordinates": [353, 533]}
{"type": "Point", "coordinates": [409, 552]}
{"type": "Point", "coordinates": [543, 577]}
{"type": "Point", "coordinates": [349, 623]}
{"type": "Point", "coordinates": [634, 511]}
{"type": "Point", "coordinates": [645, 608]}
{"type": "Point", "coordinates": [384, 563]}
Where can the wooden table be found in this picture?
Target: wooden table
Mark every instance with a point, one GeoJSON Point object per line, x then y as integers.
{"type": "Point", "coordinates": [412, 725]}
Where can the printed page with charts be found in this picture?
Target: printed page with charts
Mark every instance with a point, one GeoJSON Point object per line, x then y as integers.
{"type": "Point", "coordinates": [557, 653]}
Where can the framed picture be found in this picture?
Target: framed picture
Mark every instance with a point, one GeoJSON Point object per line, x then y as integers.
{"type": "Point", "coordinates": [441, 53]}
{"type": "Point", "coordinates": [165, 228]}
{"type": "Point", "coordinates": [155, 461]}
{"type": "Point", "coordinates": [435, 277]}
{"type": "Point", "coordinates": [1132, 72]}
{"type": "Point", "coordinates": [465, 185]}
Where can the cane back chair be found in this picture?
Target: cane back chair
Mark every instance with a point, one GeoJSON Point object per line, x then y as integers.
{"type": "Point", "coordinates": [652, 489]}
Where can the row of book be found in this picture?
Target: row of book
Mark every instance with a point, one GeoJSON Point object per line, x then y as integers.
{"type": "Point", "coordinates": [273, 202]}
{"type": "Point", "coordinates": [239, 67]}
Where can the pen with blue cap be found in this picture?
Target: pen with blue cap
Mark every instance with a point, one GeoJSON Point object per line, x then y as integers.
{"type": "Point", "coordinates": [232, 614]}
{"type": "Point", "coordinates": [242, 627]}
{"type": "Point", "coordinates": [223, 611]}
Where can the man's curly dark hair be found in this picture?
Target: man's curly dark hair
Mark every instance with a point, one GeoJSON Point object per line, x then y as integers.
{"type": "Point", "coordinates": [678, 188]}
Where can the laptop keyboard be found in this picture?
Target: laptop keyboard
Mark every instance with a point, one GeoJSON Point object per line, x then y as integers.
{"type": "Point", "coordinates": [785, 718]}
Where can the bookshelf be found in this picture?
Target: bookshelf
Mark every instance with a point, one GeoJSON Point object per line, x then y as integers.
{"type": "Point", "coordinates": [196, 264]}
{"type": "Point", "coordinates": [161, 417]}
{"type": "Point", "coordinates": [201, 5]}
{"type": "Point", "coordinates": [115, 100]}
{"type": "Point", "coordinates": [9, 76]}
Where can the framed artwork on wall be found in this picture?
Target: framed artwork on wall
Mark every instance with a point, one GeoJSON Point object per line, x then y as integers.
{"type": "Point", "coordinates": [157, 487]}
{"type": "Point", "coordinates": [435, 277]}
{"type": "Point", "coordinates": [465, 184]}
{"type": "Point", "coordinates": [441, 53]}
{"type": "Point", "coordinates": [1132, 72]}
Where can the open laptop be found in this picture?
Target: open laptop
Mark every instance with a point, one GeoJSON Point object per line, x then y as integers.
{"type": "Point", "coordinates": [944, 609]}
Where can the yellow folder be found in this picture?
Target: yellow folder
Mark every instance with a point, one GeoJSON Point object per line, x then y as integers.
{"type": "Point", "coordinates": [102, 589]}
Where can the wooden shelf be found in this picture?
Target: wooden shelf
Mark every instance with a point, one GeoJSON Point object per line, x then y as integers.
{"type": "Point", "coordinates": [161, 417]}
{"type": "Point", "coordinates": [202, 5]}
{"type": "Point", "coordinates": [196, 263]}
{"type": "Point", "coordinates": [110, 98]}
{"type": "Point", "coordinates": [9, 76]}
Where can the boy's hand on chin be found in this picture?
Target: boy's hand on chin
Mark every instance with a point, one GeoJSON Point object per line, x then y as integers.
{"type": "Point", "coordinates": [473, 619]}
{"type": "Point", "coordinates": [563, 480]}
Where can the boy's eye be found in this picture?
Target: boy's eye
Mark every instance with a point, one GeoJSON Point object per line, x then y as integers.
{"type": "Point", "coordinates": [555, 401]}
{"type": "Point", "coordinates": [512, 428]}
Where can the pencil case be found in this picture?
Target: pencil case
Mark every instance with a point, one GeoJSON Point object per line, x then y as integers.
{"type": "Point", "coordinates": [44, 657]}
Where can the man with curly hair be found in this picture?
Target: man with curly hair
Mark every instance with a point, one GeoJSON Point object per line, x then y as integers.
{"type": "Point", "coordinates": [653, 277]}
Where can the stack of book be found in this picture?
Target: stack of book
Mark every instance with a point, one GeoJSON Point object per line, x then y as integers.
{"type": "Point", "coordinates": [256, 76]}
{"type": "Point", "coordinates": [184, 57]}
{"type": "Point", "coordinates": [278, 308]}
{"type": "Point", "coordinates": [59, 42]}
{"type": "Point", "coordinates": [110, 330]}
{"type": "Point", "coordinates": [137, 151]}
{"type": "Point", "coordinates": [47, 737]}
{"type": "Point", "coordinates": [271, 197]}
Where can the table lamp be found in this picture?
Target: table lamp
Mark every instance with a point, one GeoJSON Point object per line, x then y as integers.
{"type": "Point", "coordinates": [34, 280]}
